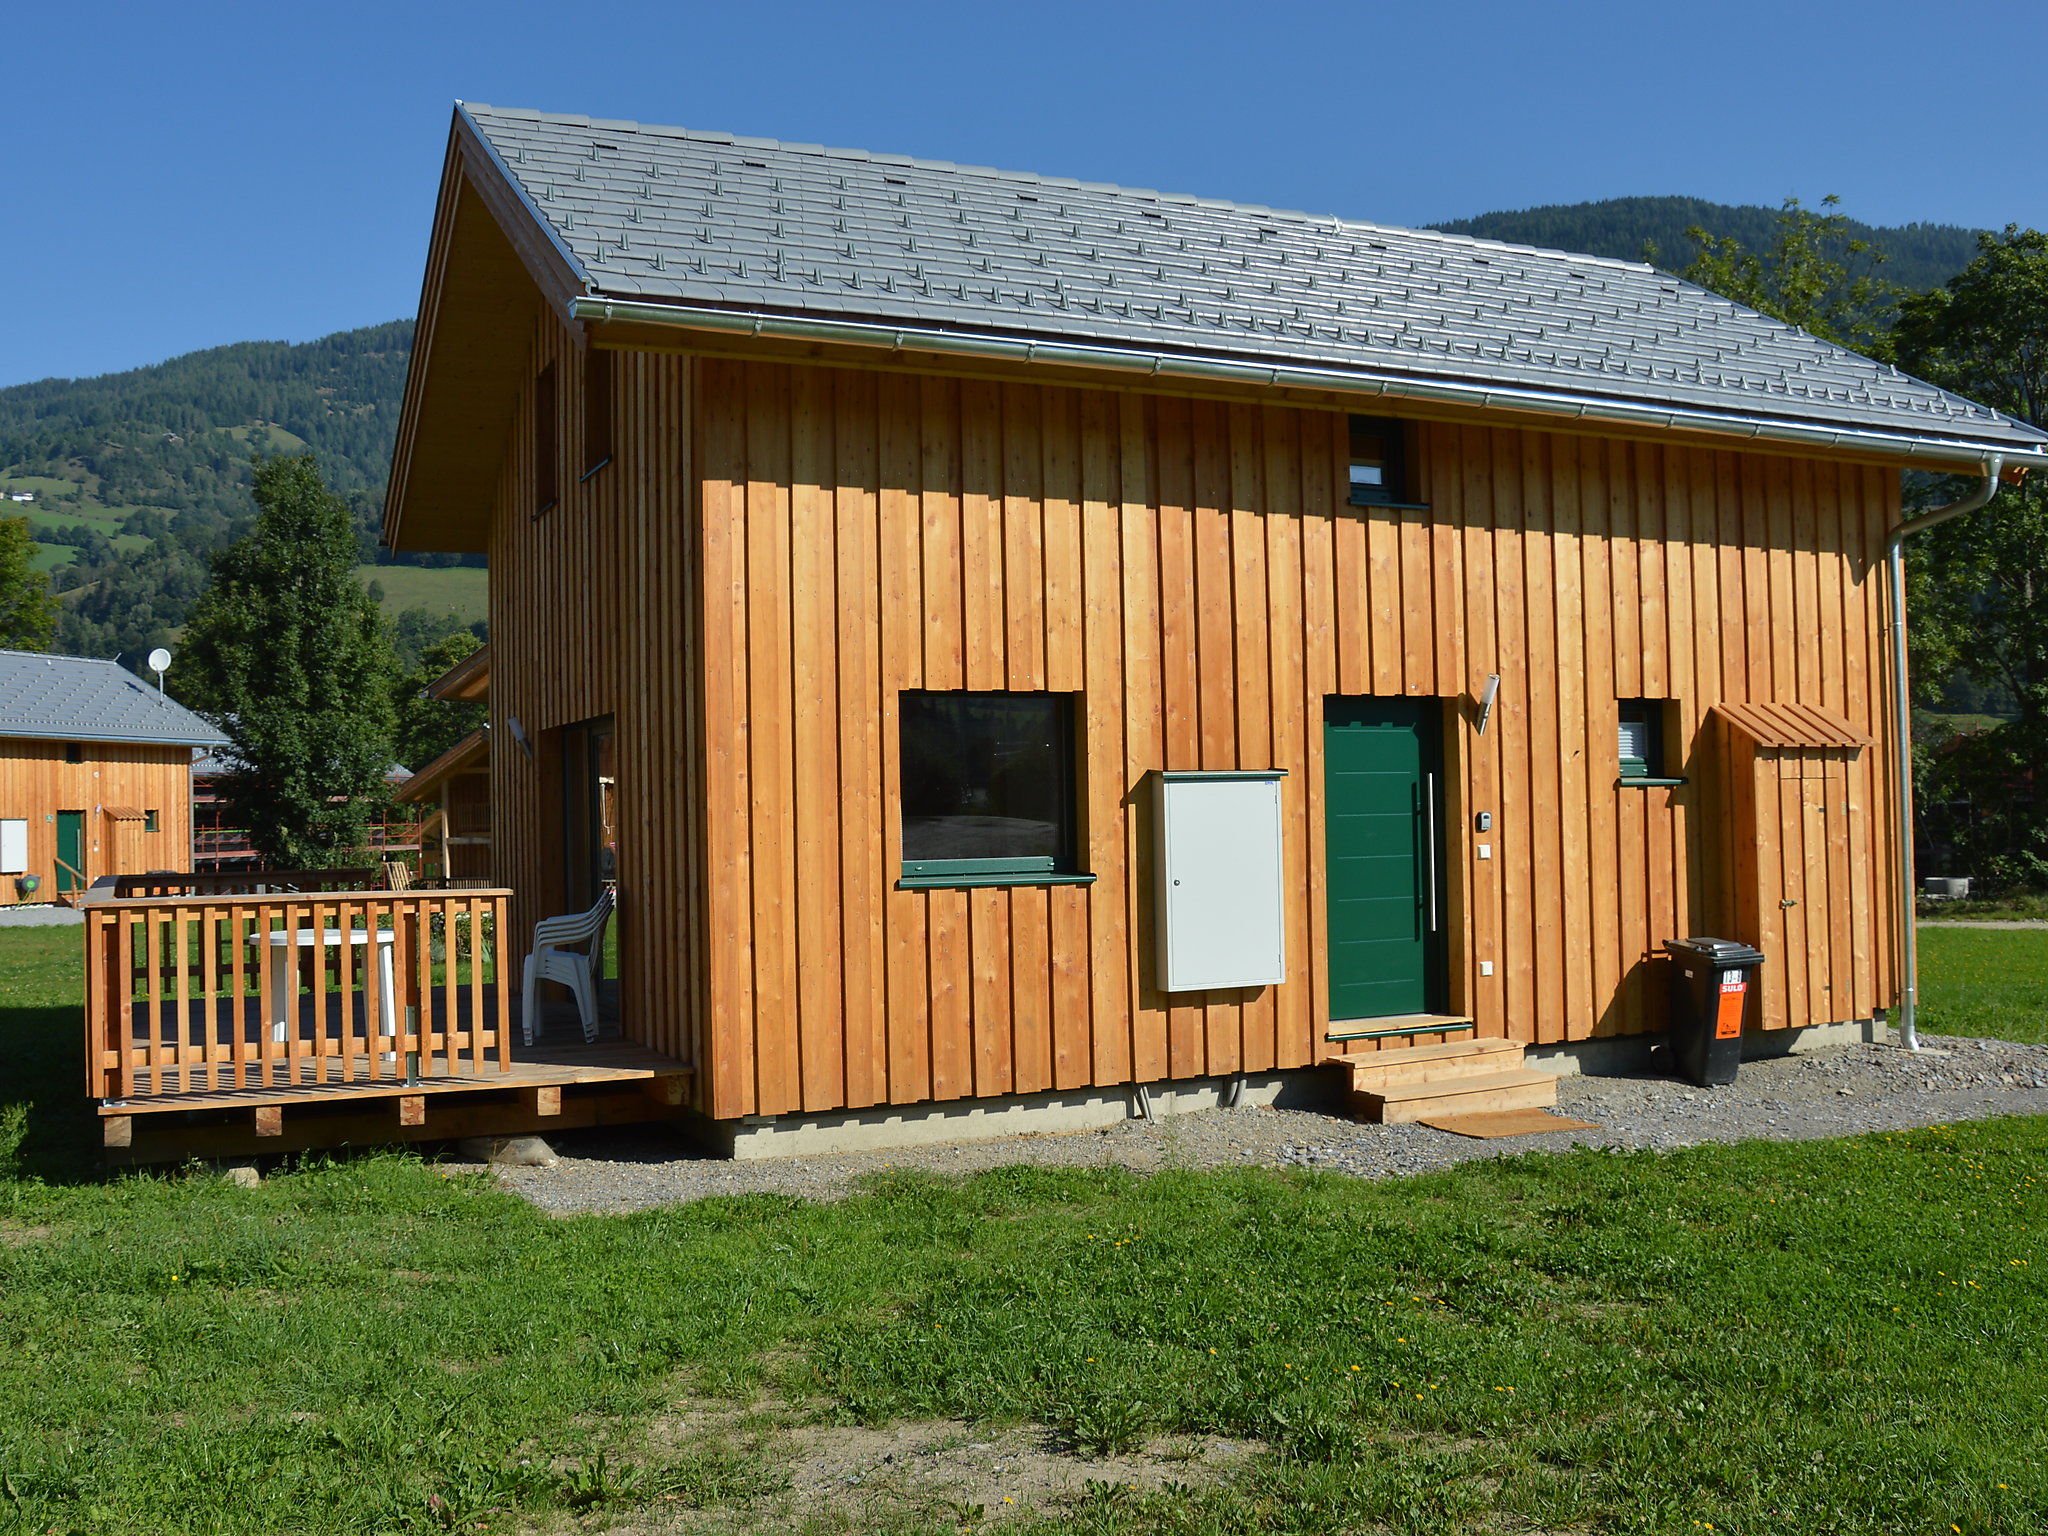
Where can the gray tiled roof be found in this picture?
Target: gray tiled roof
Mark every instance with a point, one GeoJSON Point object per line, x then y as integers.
{"type": "Point", "coordinates": [75, 698]}
{"type": "Point", "coordinates": [655, 214]}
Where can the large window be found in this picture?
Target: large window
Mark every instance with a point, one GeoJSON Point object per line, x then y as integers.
{"type": "Point", "coordinates": [988, 789]}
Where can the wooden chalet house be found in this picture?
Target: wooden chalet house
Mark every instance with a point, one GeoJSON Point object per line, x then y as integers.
{"type": "Point", "coordinates": [95, 775]}
{"type": "Point", "coordinates": [1045, 637]}
{"type": "Point", "coordinates": [455, 837]}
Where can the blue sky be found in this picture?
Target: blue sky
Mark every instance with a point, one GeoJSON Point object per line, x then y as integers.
{"type": "Point", "coordinates": [182, 177]}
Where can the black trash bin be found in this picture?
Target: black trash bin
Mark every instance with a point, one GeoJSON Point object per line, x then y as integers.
{"type": "Point", "coordinates": [1712, 997]}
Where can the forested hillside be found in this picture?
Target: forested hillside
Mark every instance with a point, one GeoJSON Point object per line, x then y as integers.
{"type": "Point", "coordinates": [1921, 256]}
{"type": "Point", "coordinates": [138, 477]}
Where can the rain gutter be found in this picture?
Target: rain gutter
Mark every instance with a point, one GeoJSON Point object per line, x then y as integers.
{"type": "Point", "coordinates": [1902, 732]}
{"type": "Point", "coordinates": [1278, 375]}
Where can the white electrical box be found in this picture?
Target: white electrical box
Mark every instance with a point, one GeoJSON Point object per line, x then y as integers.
{"type": "Point", "coordinates": [13, 846]}
{"type": "Point", "coordinates": [1221, 911]}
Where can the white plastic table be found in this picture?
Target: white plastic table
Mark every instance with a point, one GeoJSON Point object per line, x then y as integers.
{"type": "Point", "coordinates": [284, 980]}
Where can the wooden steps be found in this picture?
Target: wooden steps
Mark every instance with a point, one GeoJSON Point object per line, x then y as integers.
{"type": "Point", "coordinates": [1399, 1024]}
{"type": "Point", "coordinates": [1464, 1077]}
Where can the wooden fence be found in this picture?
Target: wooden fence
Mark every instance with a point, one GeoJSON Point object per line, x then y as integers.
{"type": "Point", "coordinates": [207, 993]}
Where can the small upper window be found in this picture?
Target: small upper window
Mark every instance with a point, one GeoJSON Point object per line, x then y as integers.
{"type": "Point", "coordinates": [988, 788]}
{"type": "Point", "coordinates": [1379, 467]}
{"type": "Point", "coordinates": [149, 821]}
{"type": "Point", "coordinates": [1642, 738]}
{"type": "Point", "coordinates": [73, 752]}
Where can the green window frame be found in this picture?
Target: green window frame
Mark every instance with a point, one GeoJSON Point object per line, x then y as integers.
{"type": "Point", "coordinates": [988, 789]}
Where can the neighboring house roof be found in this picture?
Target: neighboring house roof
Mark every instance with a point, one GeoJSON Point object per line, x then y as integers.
{"type": "Point", "coordinates": [215, 765]}
{"type": "Point", "coordinates": [76, 698]}
{"type": "Point", "coordinates": [676, 217]}
{"type": "Point", "coordinates": [472, 754]}
{"type": "Point", "coordinates": [468, 681]}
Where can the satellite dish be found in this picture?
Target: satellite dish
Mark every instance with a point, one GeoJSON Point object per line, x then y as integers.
{"type": "Point", "coordinates": [159, 660]}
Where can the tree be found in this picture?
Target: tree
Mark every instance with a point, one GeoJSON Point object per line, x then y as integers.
{"type": "Point", "coordinates": [1818, 275]}
{"type": "Point", "coordinates": [428, 727]}
{"type": "Point", "coordinates": [28, 613]}
{"type": "Point", "coordinates": [1979, 584]}
{"type": "Point", "coordinates": [287, 654]}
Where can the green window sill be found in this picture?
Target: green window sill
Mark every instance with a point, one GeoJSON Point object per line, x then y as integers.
{"type": "Point", "coordinates": [965, 881]}
{"type": "Point", "coordinates": [1645, 781]}
{"type": "Point", "coordinates": [1391, 506]}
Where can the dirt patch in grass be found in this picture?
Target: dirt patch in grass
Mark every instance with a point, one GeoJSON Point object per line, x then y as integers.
{"type": "Point", "coordinates": [936, 1468]}
{"type": "Point", "coordinates": [20, 1237]}
{"type": "Point", "coordinates": [777, 1474]}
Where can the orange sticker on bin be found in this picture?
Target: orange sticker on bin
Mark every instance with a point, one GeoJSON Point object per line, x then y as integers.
{"type": "Point", "coordinates": [1728, 1021]}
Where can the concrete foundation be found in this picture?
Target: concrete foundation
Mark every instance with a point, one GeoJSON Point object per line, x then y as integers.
{"type": "Point", "coordinates": [1091, 1109]}
{"type": "Point", "coordinates": [1083, 1109]}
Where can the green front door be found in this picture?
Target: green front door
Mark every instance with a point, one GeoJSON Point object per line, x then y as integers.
{"type": "Point", "coordinates": [70, 852]}
{"type": "Point", "coordinates": [1381, 778]}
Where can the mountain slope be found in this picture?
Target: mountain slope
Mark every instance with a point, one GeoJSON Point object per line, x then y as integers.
{"type": "Point", "coordinates": [1921, 255]}
{"type": "Point", "coordinates": [137, 477]}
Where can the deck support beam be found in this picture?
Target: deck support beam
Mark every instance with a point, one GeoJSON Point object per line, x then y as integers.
{"type": "Point", "coordinates": [544, 1100]}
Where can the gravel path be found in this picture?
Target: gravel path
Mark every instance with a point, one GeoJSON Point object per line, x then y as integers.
{"type": "Point", "coordinates": [1827, 1093]}
{"type": "Point", "coordinates": [2024, 923]}
{"type": "Point", "coordinates": [40, 917]}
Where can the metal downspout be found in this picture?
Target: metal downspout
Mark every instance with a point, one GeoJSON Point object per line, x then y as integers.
{"type": "Point", "coordinates": [1902, 731]}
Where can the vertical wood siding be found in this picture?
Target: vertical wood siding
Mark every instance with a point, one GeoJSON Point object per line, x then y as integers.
{"type": "Point", "coordinates": [36, 783]}
{"type": "Point", "coordinates": [1187, 569]}
{"type": "Point", "coordinates": [594, 610]}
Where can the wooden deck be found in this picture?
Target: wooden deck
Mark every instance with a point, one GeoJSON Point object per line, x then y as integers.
{"type": "Point", "coordinates": [558, 1084]}
{"type": "Point", "coordinates": [233, 1025]}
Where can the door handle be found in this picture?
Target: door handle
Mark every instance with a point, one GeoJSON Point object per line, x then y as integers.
{"type": "Point", "coordinates": [1429, 843]}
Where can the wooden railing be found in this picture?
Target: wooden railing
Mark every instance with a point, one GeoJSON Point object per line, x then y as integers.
{"type": "Point", "coordinates": [252, 882]}
{"type": "Point", "coordinates": [203, 993]}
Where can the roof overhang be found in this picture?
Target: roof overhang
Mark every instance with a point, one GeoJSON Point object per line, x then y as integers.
{"type": "Point", "coordinates": [490, 263]}
{"type": "Point", "coordinates": [1783, 727]}
{"type": "Point", "coordinates": [18, 732]}
{"type": "Point", "coordinates": [472, 754]}
{"type": "Point", "coordinates": [467, 682]}
{"type": "Point", "coordinates": [1930, 451]}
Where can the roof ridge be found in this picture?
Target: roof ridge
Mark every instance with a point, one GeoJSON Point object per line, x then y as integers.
{"type": "Point", "coordinates": [105, 661]}
{"type": "Point", "coordinates": [1038, 179]}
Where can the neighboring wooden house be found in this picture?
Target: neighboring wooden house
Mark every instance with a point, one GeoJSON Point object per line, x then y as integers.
{"type": "Point", "coordinates": [455, 839]}
{"type": "Point", "coordinates": [894, 526]}
{"type": "Point", "coordinates": [221, 845]}
{"type": "Point", "coordinates": [95, 774]}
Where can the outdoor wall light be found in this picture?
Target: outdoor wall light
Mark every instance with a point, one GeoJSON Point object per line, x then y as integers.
{"type": "Point", "coordinates": [1486, 697]}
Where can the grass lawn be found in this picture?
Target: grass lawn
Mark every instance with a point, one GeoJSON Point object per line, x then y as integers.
{"type": "Point", "coordinates": [1836, 1336]}
{"type": "Point", "coordinates": [462, 590]}
{"type": "Point", "coordinates": [1984, 982]}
